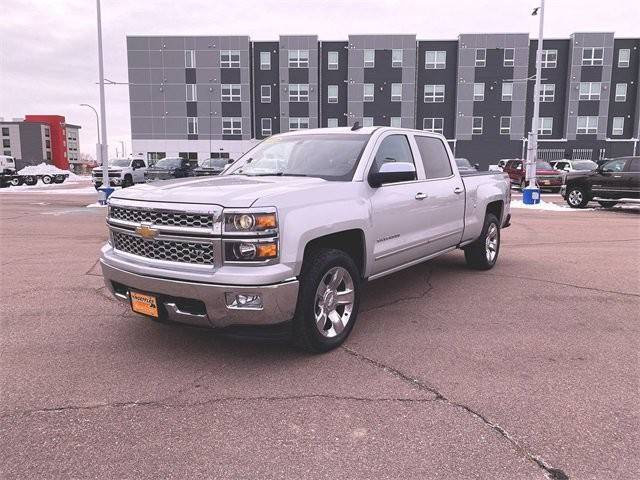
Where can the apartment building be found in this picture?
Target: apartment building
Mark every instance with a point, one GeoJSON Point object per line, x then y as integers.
{"type": "Point", "coordinates": [201, 96]}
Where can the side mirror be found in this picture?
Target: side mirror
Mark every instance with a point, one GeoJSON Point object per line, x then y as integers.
{"type": "Point", "coordinates": [391, 173]}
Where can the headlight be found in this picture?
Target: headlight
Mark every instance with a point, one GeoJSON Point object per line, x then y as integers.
{"type": "Point", "coordinates": [250, 222]}
{"type": "Point", "coordinates": [245, 251]}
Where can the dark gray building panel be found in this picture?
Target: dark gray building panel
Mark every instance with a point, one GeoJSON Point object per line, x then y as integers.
{"type": "Point", "coordinates": [624, 73]}
{"type": "Point", "coordinates": [269, 107]}
{"type": "Point", "coordinates": [331, 77]}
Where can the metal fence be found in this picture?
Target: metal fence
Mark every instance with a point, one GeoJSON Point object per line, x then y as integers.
{"type": "Point", "coordinates": [549, 154]}
{"type": "Point", "coordinates": [582, 154]}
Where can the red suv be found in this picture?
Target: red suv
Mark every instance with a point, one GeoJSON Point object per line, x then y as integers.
{"type": "Point", "coordinates": [548, 178]}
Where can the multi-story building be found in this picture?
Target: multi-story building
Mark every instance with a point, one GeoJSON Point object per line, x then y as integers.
{"type": "Point", "coordinates": [202, 97]}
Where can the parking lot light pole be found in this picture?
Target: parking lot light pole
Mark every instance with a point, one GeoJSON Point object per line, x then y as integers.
{"type": "Point", "coordinates": [531, 194]}
{"type": "Point", "coordinates": [104, 152]}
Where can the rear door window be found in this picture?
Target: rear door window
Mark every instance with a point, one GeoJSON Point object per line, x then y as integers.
{"type": "Point", "coordinates": [434, 157]}
{"type": "Point", "coordinates": [634, 165]}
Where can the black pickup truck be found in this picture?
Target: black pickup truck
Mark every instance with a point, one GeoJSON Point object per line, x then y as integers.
{"type": "Point", "coordinates": [613, 182]}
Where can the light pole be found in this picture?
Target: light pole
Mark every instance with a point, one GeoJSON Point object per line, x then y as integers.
{"type": "Point", "coordinates": [531, 194]}
{"type": "Point", "coordinates": [103, 116]}
{"type": "Point", "coordinates": [97, 129]}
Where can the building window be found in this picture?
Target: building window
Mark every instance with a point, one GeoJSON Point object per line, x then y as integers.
{"type": "Point", "coordinates": [589, 91]}
{"type": "Point", "coordinates": [396, 58]}
{"type": "Point", "coordinates": [265, 127]}
{"type": "Point", "coordinates": [332, 60]}
{"type": "Point", "coordinates": [435, 59]}
{"type": "Point", "coordinates": [435, 125]}
{"type": "Point", "coordinates": [47, 132]}
{"type": "Point", "coordinates": [49, 156]}
{"type": "Point", "coordinates": [192, 94]}
{"type": "Point", "coordinates": [547, 92]}
{"type": "Point", "coordinates": [505, 125]}
{"type": "Point", "coordinates": [509, 57]}
{"type": "Point", "coordinates": [368, 92]}
{"type": "Point", "coordinates": [231, 126]}
{"type": "Point", "coordinates": [265, 60]}
{"type": "Point", "coordinates": [618, 126]}
{"type": "Point", "coordinates": [396, 92]}
{"type": "Point", "coordinates": [47, 143]}
{"type": "Point", "coordinates": [192, 125]}
{"type": "Point", "coordinates": [395, 122]}
{"type": "Point", "coordinates": [545, 127]}
{"type": "Point", "coordinates": [6, 143]}
{"type": "Point", "coordinates": [478, 92]}
{"type": "Point", "coordinates": [433, 93]}
{"type": "Point", "coordinates": [298, 123]}
{"type": "Point", "coordinates": [299, 92]}
{"type": "Point", "coordinates": [592, 56]}
{"type": "Point", "coordinates": [367, 122]}
{"type": "Point", "coordinates": [5, 131]}
{"type": "Point", "coordinates": [298, 58]}
{"type": "Point", "coordinates": [189, 59]}
{"type": "Point", "coordinates": [332, 93]}
{"type": "Point", "coordinates": [369, 58]}
{"type": "Point", "coordinates": [624, 54]}
{"type": "Point", "coordinates": [265, 93]}
{"type": "Point", "coordinates": [481, 57]}
{"type": "Point", "coordinates": [621, 92]}
{"type": "Point", "coordinates": [549, 58]}
{"type": "Point", "coordinates": [587, 125]}
{"type": "Point", "coordinates": [476, 128]}
{"type": "Point", "coordinates": [507, 91]}
{"type": "Point", "coordinates": [231, 93]}
{"type": "Point", "coordinates": [332, 122]}
{"type": "Point", "coordinates": [229, 58]}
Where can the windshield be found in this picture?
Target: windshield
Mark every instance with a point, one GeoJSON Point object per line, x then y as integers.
{"type": "Point", "coordinates": [169, 163]}
{"type": "Point", "coordinates": [585, 165]}
{"type": "Point", "coordinates": [540, 165]}
{"type": "Point", "coordinates": [214, 163]}
{"type": "Point", "coordinates": [463, 163]}
{"type": "Point", "coordinates": [328, 156]}
{"type": "Point", "coordinates": [119, 162]}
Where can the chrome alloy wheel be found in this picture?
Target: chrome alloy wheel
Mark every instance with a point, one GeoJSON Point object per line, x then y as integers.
{"type": "Point", "coordinates": [335, 297]}
{"type": "Point", "coordinates": [575, 197]}
{"type": "Point", "coordinates": [491, 243]}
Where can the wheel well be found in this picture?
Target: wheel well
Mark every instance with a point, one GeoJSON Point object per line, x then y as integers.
{"type": "Point", "coordinates": [349, 241]}
{"type": "Point", "coordinates": [128, 175]}
{"type": "Point", "coordinates": [495, 208]}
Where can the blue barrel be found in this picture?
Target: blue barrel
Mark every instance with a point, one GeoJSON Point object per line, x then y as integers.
{"type": "Point", "coordinates": [531, 195]}
{"type": "Point", "coordinates": [104, 193]}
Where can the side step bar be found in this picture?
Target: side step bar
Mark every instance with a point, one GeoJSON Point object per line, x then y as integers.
{"type": "Point", "coordinates": [619, 200]}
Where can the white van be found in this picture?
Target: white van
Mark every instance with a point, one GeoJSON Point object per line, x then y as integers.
{"type": "Point", "coordinates": [7, 165]}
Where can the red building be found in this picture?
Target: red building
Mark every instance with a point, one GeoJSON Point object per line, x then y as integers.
{"type": "Point", "coordinates": [57, 126]}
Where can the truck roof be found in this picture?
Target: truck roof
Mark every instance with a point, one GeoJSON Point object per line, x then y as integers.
{"type": "Point", "coordinates": [359, 131]}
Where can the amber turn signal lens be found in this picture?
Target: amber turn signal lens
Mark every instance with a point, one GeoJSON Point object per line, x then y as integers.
{"type": "Point", "coordinates": [266, 250]}
{"type": "Point", "coordinates": [265, 221]}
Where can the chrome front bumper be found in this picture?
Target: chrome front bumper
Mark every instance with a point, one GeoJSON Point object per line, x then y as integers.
{"type": "Point", "coordinates": [278, 300]}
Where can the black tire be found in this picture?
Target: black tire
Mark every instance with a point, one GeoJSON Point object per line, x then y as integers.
{"type": "Point", "coordinates": [46, 179]}
{"type": "Point", "coordinates": [523, 185]}
{"type": "Point", "coordinates": [58, 179]}
{"type": "Point", "coordinates": [476, 254]}
{"type": "Point", "coordinates": [127, 182]}
{"type": "Point", "coordinates": [607, 204]}
{"type": "Point", "coordinates": [16, 181]}
{"type": "Point", "coordinates": [315, 268]}
{"type": "Point", "coordinates": [30, 180]}
{"type": "Point", "coordinates": [576, 197]}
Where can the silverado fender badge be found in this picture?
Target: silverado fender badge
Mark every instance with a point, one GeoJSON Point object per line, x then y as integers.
{"type": "Point", "coordinates": [146, 232]}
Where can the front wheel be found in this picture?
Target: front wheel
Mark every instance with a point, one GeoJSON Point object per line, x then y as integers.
{"type": "Point", "coordinates": [127, 182]}
{"type": "Point", "coordinates": [15, 181]}
{"type": "Point", "coordinates": [328, 300]}
{"type": "Point", "coordinates": [576, 197]}
{"type": "Point", "coordinates": [483, 253]}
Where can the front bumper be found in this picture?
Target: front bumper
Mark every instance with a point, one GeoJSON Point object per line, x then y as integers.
{"type": "Point", "coordinates": [205, 304]}
{"type": "Point", "coordinates": [113, 181]}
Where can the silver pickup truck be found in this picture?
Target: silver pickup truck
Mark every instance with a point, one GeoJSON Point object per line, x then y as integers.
{"type": "Point", "coordinates": [289, 233]}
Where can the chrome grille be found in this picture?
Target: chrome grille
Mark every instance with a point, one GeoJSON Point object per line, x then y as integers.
{"type": "Point", "coordinates": [168, 250]}
{"type": "Point", "coordinates": [158, 217]}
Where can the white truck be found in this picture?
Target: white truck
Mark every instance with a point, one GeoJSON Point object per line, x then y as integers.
{"type": "Point", "coordinates": [10, 178]}
{"type": "Point", "coordinates": [123, 172]}
{"type": "Point", "coordinates": [287, 236]}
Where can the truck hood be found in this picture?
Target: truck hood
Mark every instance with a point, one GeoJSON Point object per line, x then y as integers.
{"type": "Point", "coordinates": [234, 191]}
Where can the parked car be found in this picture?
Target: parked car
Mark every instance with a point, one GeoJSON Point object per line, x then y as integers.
{"type": "Point", "coordinates": [574, 165]}
{"type": "Point", "coordinates": [170, 167]}
{"type": "Point", "coordinates": [548, 178]}
{"type": "Point", "coordinates": [465, 165]}
{"type": "Point", "coordinates": [212, 166]}
{"type": "Point", "coordinates": [499, 167]}
{"type": "Point", "coordinates": [123, 172]}
{"type": "Point", "coordinates": [617, 181]}
{"type": "Point", "coordinates": [290, 247]}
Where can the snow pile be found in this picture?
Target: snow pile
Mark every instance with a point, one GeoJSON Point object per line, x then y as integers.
{"type": "Point", "coordinates": [44, 169]}
{"type": "Point", "coordinates": [548, 206]}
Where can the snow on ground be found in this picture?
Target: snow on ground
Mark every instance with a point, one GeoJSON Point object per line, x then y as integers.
{"type": "Point", "coordinates": [76, 185]}
{"type": "Point", "coordinates": [96, 205]}
{"type": "Point", "coordinates": [548, 206]}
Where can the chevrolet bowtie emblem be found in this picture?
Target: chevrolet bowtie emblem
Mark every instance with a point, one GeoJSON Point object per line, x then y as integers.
{"type": "Point", "coordinates": [146, 232]}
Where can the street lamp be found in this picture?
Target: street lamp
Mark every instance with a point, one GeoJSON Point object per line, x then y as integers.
{"type": "Point", "coordinates": [97, 129]}
{"type": "Point", "coordinates": [531, 193]}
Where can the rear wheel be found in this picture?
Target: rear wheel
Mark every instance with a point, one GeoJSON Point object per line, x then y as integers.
{"type": "Point", "coordinates": [15, 181]}
{"type": "Point", "coordinates": [30, 180]}
{"type": "Point", "coordinates": [607, 204]}
{"type": "Point", "coordinates": [58, 179]}
{"type": "Point", "coordinates": [483, 253]}
{"type": "Point", "coordinates": [577, 197]}
{"type": "Point", "coordinates": [328, 300]}
{"type": "Point", "coordinates": [46, 179]}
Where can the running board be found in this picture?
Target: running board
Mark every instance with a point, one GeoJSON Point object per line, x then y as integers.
{"type": "Point", "coordinates": [617, 200]}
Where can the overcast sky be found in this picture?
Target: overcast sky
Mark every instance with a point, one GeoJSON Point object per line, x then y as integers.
{"type": "Point", "coordinates": [48, 59]}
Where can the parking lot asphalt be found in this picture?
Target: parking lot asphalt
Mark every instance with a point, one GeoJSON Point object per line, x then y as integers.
{"type": "Point", "coordinates": [530, 370]}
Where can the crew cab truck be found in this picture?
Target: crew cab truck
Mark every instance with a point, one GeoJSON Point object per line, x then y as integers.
{"type": "Point", "coordinates": [123, 172]}
{"type": "Point", "coordinates": [292, 230]}
{"type": "Point", "coordinates": [613, 182]}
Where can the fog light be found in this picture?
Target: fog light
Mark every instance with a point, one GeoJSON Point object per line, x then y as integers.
{"type": "Point", "coordinates": [244, 301]}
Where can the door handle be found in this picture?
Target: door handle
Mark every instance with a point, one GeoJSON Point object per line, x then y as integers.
{"type": "Point", "coordinates": [421, 196]}
{"type": "Point", "coordinates": [458, 190]}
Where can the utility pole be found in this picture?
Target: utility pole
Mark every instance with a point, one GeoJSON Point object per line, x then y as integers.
{"type": "Point", "coordinates": [533, 196]}
{"type": "Point", "coordinates": [103, 116]}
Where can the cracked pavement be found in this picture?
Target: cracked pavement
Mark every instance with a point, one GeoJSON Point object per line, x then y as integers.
{"type": "Point", "coordinates": [527, 371]}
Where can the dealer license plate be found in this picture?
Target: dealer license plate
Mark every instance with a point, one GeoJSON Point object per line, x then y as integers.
{"type": "Point", "coordinates": [144, 304]}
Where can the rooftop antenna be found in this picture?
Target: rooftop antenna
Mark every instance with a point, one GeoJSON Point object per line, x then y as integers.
{"type": "Point", "coordinates": [356, 126]}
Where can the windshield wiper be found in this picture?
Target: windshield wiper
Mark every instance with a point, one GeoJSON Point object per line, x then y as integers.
{"type": "Point", "coordinates": [276, 174]}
